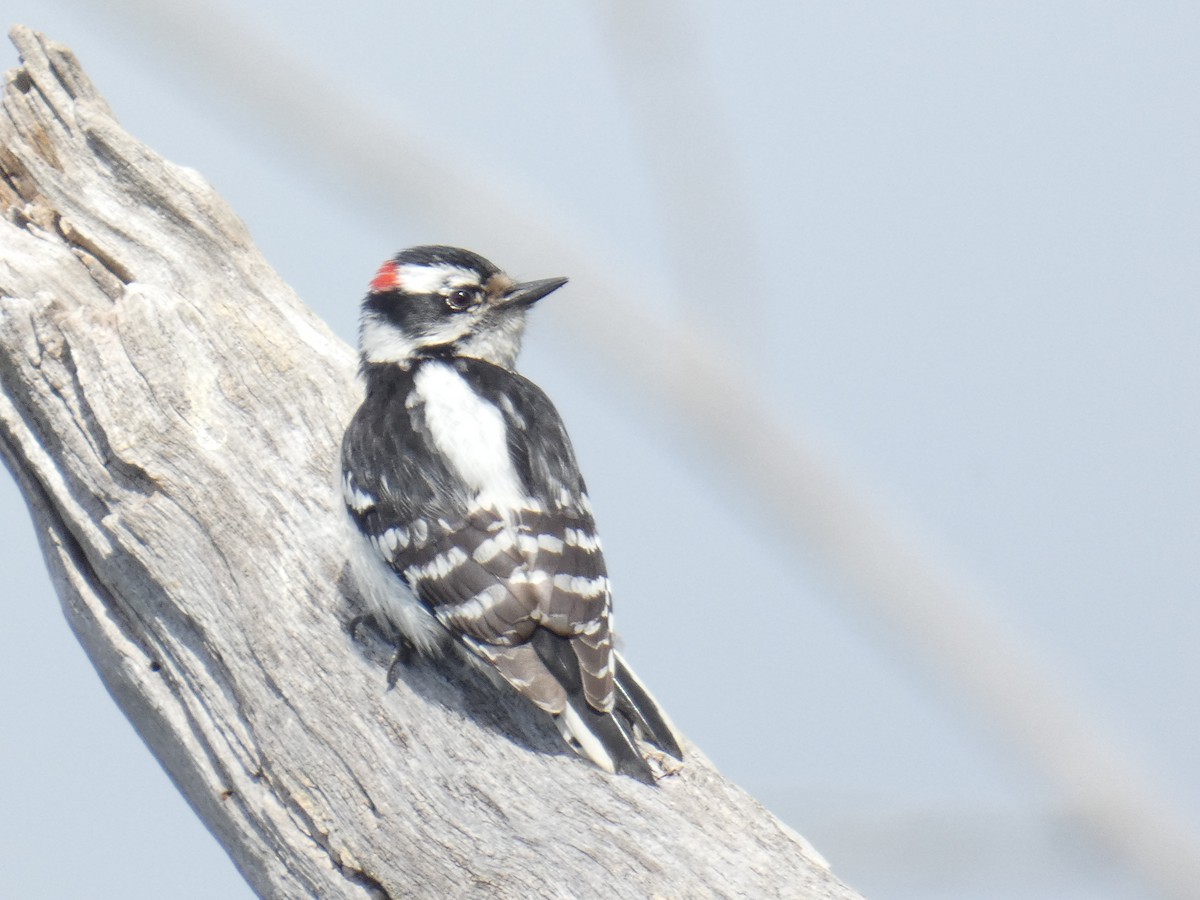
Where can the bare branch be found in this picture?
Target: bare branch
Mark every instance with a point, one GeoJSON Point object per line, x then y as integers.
{"type": "Point", "coordinates": [171, 411]}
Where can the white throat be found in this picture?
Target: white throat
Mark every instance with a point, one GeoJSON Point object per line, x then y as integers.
{"type": "Point", "coordinates": [499, 344]}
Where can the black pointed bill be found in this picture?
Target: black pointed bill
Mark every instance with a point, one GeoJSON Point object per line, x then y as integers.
{"type": "Point", "coordinates": [530, 292]}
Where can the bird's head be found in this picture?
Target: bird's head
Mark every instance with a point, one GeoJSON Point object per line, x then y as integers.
{"type": "Point", "coordinates": [443, 301]}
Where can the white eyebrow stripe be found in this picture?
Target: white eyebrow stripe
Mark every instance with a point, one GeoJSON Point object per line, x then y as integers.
{"type": "Point", "coordinates": [418, 279]}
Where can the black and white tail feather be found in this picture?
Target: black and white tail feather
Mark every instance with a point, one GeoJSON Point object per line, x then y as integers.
{"type": "Point", "coordinates": [474, 524]}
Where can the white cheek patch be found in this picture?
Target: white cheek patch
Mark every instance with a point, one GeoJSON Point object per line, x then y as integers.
{"type": "Point", "coordinates": [380, 341]}
{"type": "Point", "coordinates": [446, 332]}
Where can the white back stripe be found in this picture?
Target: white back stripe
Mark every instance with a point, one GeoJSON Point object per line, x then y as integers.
{"type": "Point", "coordinates": [469, 431]}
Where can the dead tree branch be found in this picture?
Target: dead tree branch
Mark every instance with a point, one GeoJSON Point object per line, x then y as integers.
{"type": "Point", "coordinates": [171, 411]}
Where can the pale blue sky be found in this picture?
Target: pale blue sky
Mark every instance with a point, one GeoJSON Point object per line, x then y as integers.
{"type": "Point", "coordinates": [955, 246]}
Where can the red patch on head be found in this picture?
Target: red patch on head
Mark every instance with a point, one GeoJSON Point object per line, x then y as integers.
{"type": "Point", "coordinates": [387, 278]}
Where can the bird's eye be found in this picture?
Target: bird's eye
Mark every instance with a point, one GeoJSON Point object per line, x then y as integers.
{"type": "Point", "coordinates": [462, 298]}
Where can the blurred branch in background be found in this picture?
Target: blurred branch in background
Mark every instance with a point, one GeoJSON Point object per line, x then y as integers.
{"type": "Point", "coordinates": [939, 620]}
{"type": "Point", "coordinates": [669, 92]}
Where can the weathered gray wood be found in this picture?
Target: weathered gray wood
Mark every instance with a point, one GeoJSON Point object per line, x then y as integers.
{"type": "Point", "coordinates": [171, 411]}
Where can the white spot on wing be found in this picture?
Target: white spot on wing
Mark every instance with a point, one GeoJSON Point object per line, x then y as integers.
{"type": "Point", "coordinates": [550, 543]}
{"type": "Point", "coordinates": [391, 539]}
{"type": "Point", "coordinates": [583, 587]}
{"type": "Point", "coordinates": [356, 499]}
{"type": "Point", "coordinates": [493, 546]}
{"type": "Point", "coordinates": [475, 607]}
{"type": "Point", "coordinates": [523, 576]}
{"type": "Point", "coordinates": [581, 539]}
{"type": "Point", "coordinates": [438, 567]}
{"type": "Point", "coordinates": [420, 532]}
{"type": "Point", "coordinates": [381, 547]}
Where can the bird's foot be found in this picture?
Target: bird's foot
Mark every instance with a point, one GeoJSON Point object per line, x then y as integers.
{"type": "Point", "coordinates": [353, 625]}
{"type": "Point", "coordinates": [403, 656]}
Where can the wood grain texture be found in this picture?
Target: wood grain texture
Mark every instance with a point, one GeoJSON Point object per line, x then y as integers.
{"type": "Point", "coordinates": [172, 412]}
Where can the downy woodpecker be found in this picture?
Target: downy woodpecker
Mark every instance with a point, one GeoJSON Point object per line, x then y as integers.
{"type": "Point", "coordinates": [474, 523]}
